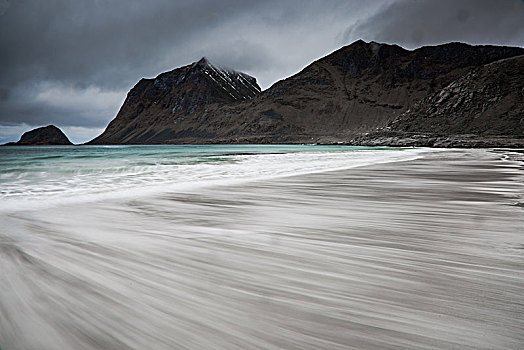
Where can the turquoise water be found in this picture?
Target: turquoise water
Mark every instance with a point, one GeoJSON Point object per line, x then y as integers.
{"type": "Point", "coordinates": [57, 173]}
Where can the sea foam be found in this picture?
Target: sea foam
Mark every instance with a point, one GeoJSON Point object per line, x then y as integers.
{"type": "Point", "coordinates": [40, 177]}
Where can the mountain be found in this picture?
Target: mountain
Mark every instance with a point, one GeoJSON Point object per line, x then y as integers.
{"type": "Point", "coordinates": [176, 104]}
{"type": "Point", "coordinates": [356, 90]}
{"type": "Point", "coordinates": [488, 100]}
{"type": "Point", "coordinates": [46, 135]}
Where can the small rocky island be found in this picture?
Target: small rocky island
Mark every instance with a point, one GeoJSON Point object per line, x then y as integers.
{"type": "Point", "coordinates": [46, 135]}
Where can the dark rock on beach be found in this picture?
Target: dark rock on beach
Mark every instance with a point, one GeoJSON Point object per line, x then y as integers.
{"type": "Point", "coordinates": [418, 139]}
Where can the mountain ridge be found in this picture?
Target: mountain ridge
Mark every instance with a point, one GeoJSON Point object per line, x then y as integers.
{"type": "Point", "coordinates": [357, 89]}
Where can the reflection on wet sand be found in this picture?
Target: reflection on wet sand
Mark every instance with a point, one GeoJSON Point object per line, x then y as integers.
{"type": "Point", "coordinates": [420, 254]}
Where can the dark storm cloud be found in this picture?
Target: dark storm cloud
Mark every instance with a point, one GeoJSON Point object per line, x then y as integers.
{"type": "Point", "coordinates": [55, 50]}
{"type": "Point", "coordinates": [72, 62]}
{"type": "Point", "coordinates": [108, 43]}
{"type": "Point", "coordinates": [86, 40]}
{"type": "Point", "coordinates": [413, 23]}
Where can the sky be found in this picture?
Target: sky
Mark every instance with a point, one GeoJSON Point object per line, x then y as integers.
{"type": "Point", "coordinates": [71, 63]}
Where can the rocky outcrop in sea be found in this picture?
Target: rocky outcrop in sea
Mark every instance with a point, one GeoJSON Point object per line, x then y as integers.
{"type": "Point", "coordinates": [46, 135]}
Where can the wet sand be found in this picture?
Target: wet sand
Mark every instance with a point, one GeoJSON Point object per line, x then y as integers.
{"type": "Point", "coordinates": [424, 254]}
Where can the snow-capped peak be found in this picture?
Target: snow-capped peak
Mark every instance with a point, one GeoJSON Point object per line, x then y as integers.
{"type": "Point", "coordinates": [237, 85]}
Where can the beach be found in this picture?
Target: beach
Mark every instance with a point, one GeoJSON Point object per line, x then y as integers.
{"type": "Point", "coordinates": [420, 252]}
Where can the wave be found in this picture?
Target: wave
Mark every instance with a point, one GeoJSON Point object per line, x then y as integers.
{"type": "Point", "coordinates": [148, 170]}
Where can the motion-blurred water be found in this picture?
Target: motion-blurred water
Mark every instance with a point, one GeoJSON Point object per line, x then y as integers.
{"type": "Point", "coordinates": [415, 249]}
{"type": "Point", "coordinates": [40, 176]}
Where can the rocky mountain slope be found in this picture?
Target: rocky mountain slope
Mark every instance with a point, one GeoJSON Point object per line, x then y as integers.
{"type": "Point", "coordinates": [46, 135]}
{"type": "Point", "coordinates": [176, 104]}
{"type": "Point", "coordinates": [488, 100]}
{"type": "Point", "coordinates": [353, 91]}
{"type": "Point", "coordinates": [475, 109]}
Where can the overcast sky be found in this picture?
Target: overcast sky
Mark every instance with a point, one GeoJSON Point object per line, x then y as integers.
{"type": "Point", "coordinates": [71, 63]}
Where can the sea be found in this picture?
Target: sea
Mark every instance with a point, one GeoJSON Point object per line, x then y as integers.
{"type": "Point", "coordinates": [32, 177]}
{"type": "Point", "coordinates": [261, 247]}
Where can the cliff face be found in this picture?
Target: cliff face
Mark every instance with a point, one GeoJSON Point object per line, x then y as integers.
{"type": "Point", "coordinates": [488, 100]}
{"type": "Point", "coordinates": [357, 89]}
{"type": "Point", "coordinates": [47, 135]}
{"type": "Point", "coordinates": [482, 108]}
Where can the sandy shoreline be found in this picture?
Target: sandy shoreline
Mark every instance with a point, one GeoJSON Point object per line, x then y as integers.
{"type": "Point", "coordinates": [418, 254]}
